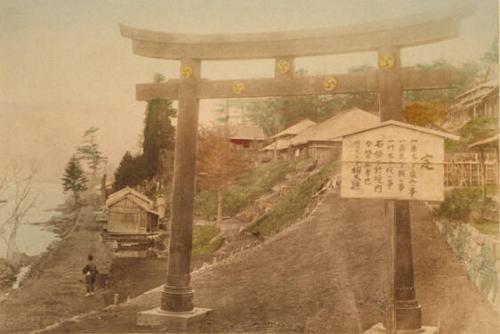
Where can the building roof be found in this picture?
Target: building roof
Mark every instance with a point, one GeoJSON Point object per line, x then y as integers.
{"type": "Point", "coordinates": [295, 129]}
{"type": "Point", "coordinates": [279, 144]}
{"type": "Point", "coordinates": [332, 129]}
{"type": "Point", "coordinates": [475, 95]}
{"type": "Point", "coordinates": [490, 141]}
{"type": "Point", "coordinates": [407, 126]}
{"type": "Point", "coordinates": [133, 195]}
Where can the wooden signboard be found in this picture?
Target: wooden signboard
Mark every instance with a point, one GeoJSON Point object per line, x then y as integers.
{"type": "Point", "coordinates": [394, 160]}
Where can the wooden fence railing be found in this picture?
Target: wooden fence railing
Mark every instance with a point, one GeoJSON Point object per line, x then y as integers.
{"type": "Point", "coordinates": [470, 173]}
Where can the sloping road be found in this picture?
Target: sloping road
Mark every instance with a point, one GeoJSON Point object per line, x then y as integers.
{"type": "Point", "coordinates": [326, 274]}
{"type": "Point", "coordinates": [58, 290]}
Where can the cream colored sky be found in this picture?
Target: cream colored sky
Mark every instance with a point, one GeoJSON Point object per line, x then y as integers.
{"type": "Point", "coordinates": [71, 50]}
{"type": "Point", "coordinates": [67, 56]}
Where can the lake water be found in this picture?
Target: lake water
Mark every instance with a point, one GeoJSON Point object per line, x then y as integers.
{"type": "Point", "coordinates": [33, 239]}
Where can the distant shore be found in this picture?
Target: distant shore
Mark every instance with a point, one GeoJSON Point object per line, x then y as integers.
{"type": "Point", "coordinates": [13, 273]}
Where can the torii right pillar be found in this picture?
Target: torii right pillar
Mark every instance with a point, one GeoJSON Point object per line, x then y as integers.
{"type": "Point", "coordinates": [405, 313]}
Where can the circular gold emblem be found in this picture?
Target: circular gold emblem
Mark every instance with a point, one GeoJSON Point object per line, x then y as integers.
{"type": "Point", "coordinates": [386, 61]}
{"type": "Point", "coordinates": [283, 66]}
{"type": "Point", "coordinates": [330, 84]}
{"type": "Point", "coordinates": [186, 71]}
{"type": "Point", "coordinates": [238, 87]}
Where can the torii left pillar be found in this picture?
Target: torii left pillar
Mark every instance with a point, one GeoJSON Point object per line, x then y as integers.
{"type": "Point", "coordinates": [176, 309]}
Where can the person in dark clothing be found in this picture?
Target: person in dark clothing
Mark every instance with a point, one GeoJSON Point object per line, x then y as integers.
{"type": "Point", "coordinates": [90, 272]}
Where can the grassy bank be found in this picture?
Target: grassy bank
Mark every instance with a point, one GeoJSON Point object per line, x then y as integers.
{"type": "Point", "coordinates": [206, 240]}
{"type": "Point", "coordinates": [292, 206]}
{"type": "Point", "coordinates": [248, 187]}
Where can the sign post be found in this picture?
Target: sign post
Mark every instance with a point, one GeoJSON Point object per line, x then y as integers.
{"type": "Point", "coordinates": [397, 162]}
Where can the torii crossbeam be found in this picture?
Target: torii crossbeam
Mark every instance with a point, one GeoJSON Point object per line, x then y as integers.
{"type": "Point", "coordinates": [386, 38]}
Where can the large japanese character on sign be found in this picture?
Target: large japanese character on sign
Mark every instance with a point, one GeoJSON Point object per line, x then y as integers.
{"type": "Point", "coordinates": [394, 160]}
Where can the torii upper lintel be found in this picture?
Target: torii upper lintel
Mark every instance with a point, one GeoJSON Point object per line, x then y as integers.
{"type": "Point", "coordinates": [404, 32]}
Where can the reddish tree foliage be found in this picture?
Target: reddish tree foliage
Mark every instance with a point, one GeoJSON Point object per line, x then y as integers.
{"type": "Point", "coordinates": [219, 163]}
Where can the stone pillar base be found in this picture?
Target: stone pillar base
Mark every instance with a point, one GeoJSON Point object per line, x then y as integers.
{"type": "Point", "coordinates": [173, 320]}
{"type": "Point", "coordinates": [379, 329]}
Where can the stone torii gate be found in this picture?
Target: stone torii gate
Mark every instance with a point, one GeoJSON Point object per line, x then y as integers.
{"type": "Point", "coordinates": [386, 38]}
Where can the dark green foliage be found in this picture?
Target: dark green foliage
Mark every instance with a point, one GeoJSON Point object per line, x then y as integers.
{"type": "Point", "coordinates": [477, 129]}
{"type": "Point", "coordinates": [473, 131]}
{"type": "Point", "coordinates": [158, 146]}
{"type": "Point", "coordinates": [467, 74]}
{"type": "Point", "coordinates": [74, 179]}
{"type": "Point", "coordinates": [159, 134]}
{"type": "Point", "coordinates": [130, 172]}
{"type": "Point", "coordinates": [460, 203]}
{"type": "Point", "coordinates": [290, 208]}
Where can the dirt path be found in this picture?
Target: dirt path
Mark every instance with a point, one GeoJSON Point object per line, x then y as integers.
{"type": "Point", "coordinates": [324, 275]}
{"type": "Point", "coordinates": [57, 292]}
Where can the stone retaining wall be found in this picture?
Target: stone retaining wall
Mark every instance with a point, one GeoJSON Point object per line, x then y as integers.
{"type": "Point", "coordinates": [479, 254]}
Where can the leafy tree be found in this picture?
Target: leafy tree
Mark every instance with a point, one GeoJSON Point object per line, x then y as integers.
{"type": "Point", "coordinates": [473, 131]}
{"type": "Point", "coordinates": [90, 152]}
{"type": "Point", "coordinates": [219, 163]}
{"type": "Point", "coordinates": [74, 179]}
{"type": "Point", "coordinates": [425, 113]}
{"type": "Point", "coordinates": [17, 198]}
{"type": "Point", "coordinates": [131, 171]}
{"type": "Point", "coordinates": [277, 113]}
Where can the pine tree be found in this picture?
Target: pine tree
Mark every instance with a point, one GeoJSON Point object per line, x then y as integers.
{"type": "Point", "coordinates": [90, 152]}
{"type": "Point", "coordinates": [74, 179]}
{"type": "Point", "coordinates": [159, 134]}
{"type": "Point", "coordinates": [130, 172]}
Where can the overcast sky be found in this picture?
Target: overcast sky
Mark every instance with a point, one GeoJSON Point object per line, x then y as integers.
{"type": "Point", "coordinates": [71, 50]}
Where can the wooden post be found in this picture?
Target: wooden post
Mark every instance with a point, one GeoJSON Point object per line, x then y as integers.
{"type": "Point", "coordinates": [390, 84]}
{"type": "Point", "coordinates": [390, 321]}
{"type": "Point", "coordinates": [177, 294]}
{"type": "Point", "coordinates": [406, 312]}
{"type": "Point", "coordinates": [482, 173]}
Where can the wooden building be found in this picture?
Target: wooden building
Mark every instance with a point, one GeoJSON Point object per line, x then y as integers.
{"type": "Point", "coordinates": [480, 101]}
{"type": "Point", "coordinates": [278, 149]}
{"type": "Point", "coordinates": [323, 142]}
{"type": "Point", "coordinates": [132, 223]}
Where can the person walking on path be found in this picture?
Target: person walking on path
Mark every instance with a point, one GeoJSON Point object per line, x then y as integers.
{"type": "Point", "coordinates": [90, 272]}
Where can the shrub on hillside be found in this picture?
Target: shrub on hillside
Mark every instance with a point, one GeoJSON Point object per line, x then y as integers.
{"type": "Point", "coordinates": [206, 240]}
{"type": "Point", "coordinates": [247, 188]}
{"type": "Point", "coordinates": [291, 207]}
{"type": "Point", "coordinates": [460, 203]}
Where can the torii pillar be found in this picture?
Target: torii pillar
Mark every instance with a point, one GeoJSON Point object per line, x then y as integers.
{"type": "Point", "coordinates": [405, 313]}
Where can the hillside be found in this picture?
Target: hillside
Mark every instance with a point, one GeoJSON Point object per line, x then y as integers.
{"type": "Point", "coordinates": [325, 274]}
